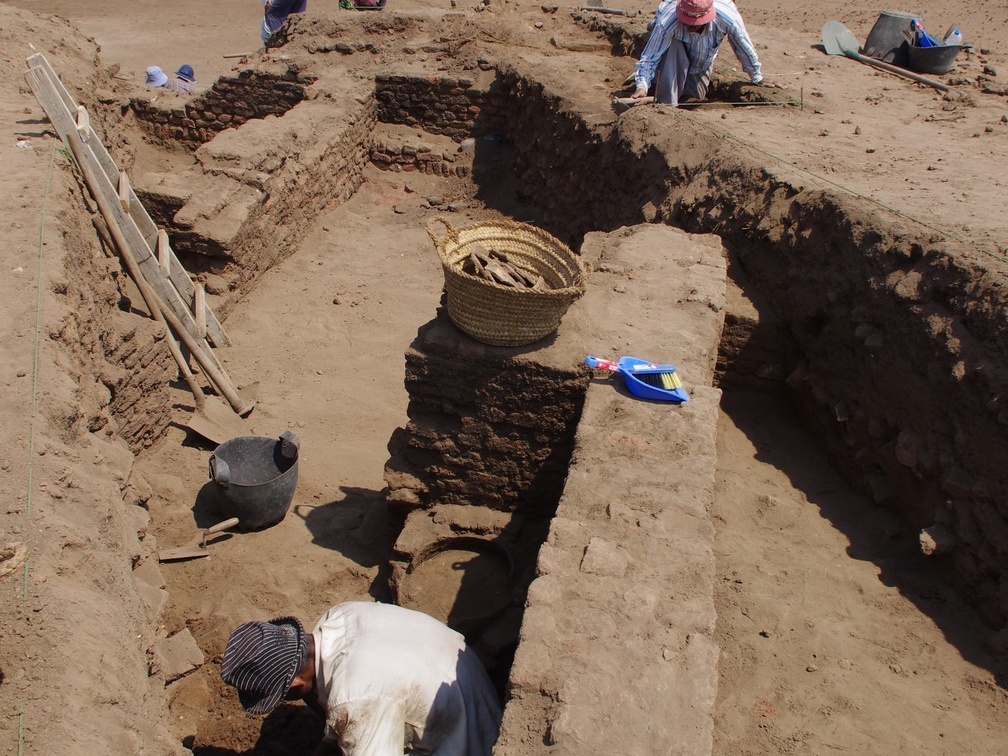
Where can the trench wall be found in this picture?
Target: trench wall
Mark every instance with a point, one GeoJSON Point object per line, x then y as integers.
{"type": "Point", "coordinates": [903, 367]}
{"type": "Point", "coordinates": [103, 395]}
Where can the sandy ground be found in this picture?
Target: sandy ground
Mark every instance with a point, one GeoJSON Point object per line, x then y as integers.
{"type": "Point", "coordinates": [835, 635]}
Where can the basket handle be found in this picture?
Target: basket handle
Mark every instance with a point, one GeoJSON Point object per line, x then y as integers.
{"type": "Point", "coordinates": [450, 231]}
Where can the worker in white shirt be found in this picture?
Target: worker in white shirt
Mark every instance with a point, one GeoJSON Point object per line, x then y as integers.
{"type": "Point", "coordinates": [389, 680]}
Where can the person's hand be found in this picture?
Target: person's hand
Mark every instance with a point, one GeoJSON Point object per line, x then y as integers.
{"type": "Point", "coordinates": [639, 92]}
{"type": "Point", "coordinates": [769, 84]}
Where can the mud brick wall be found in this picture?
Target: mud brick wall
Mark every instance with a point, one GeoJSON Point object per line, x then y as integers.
{"type": "Point", "coordinates": [139, 396]}
{"type": "Point", "coordinates": [452, 107]}
{"type": "Point", "coordinates": [419, 158]}
{"type": "Point", "coordinates": [301, 189]}
{"type": "Point", "coordinates": [484, 429]}
{"type": "Point", "coordinates": [121, 364]}
{"type": "Point", "coordinates": [570, 172]}
{"type": "Point", "coordinates": [231, 101]}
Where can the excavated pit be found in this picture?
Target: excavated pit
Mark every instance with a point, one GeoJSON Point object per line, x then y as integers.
{"type": "Point", "coordinates": [864, 297]}
{"type": "Point", "coordinates": [897, 371]}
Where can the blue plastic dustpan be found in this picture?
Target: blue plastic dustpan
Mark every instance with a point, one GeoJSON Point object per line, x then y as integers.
{"type": "Point", "coordinates": [649, 380]}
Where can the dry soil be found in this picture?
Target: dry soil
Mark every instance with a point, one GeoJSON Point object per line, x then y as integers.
{"type": "Point", "coordinates": [835, 634]}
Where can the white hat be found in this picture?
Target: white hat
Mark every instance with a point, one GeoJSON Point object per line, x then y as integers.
{"type": "Point", "coordinates": [156, 77]}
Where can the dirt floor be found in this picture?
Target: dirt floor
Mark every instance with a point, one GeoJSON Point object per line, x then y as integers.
{"type": "Point", "coordinates": [836, 635]}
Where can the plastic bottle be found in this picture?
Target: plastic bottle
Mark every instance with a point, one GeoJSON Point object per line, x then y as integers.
{"type": "Point", "coordinates": [954, 38]}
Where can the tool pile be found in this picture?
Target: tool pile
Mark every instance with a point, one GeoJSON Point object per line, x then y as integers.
{"type": "Point", "coordinates": [496, 266]}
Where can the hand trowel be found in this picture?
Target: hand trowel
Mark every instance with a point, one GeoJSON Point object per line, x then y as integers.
{"type": "Point", "coordinates": [198, 548]}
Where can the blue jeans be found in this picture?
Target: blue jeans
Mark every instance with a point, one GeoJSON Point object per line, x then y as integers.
{"type": "Point", "coordinates": [674, 83]}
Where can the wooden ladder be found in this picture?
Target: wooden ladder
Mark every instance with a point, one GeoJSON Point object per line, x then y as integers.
{"type": "Point", "coordinates": [149, 244]}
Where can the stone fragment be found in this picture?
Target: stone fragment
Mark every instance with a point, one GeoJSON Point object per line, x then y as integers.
{"type": "Point", "coordinates": [177, 656]}
{"type": "Point", "coordinates": [936, 539]}
{"type": "Point", "coordinates": [154, 600]}
{"type": "Point", "coordinates": [602, 557]}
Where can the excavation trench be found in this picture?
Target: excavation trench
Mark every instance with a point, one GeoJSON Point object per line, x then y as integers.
{"type": "Point", "coordinates": [896, 371]}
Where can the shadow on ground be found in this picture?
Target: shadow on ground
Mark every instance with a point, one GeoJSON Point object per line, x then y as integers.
{"type": "Point", "coordinates": [876, 534]}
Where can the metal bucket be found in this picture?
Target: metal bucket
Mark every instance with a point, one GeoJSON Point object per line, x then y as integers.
{"type": "Point", "coordinates": [933, 60]}
{"type": "Point", "coordinates": [886, 41]}
{"type": "Point", "coordinates": [254, 478]}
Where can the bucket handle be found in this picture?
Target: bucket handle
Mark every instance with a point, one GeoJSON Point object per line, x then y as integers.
{"type": "Point", "coordinates": [220, 473]}
{"type": "Point", "coordinates": [439, 241]}
{"type": "Point", "coordinates": [290, 445]}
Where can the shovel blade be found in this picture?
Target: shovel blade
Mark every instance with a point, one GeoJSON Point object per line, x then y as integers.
{"type": "Point", "coordinates": [217, 422]}
{"type": "Point", "coordinates": [186, 552]}
{"type": "Point", "coordinates": [837, 39]}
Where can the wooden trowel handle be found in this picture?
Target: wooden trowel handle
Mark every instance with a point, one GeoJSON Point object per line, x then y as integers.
{"type": "Point", "coordinates": [225, 525]}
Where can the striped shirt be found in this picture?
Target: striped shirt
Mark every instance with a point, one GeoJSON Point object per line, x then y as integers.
{"type": "Point", "coordinates": [178, 85]}
{"type": "Point", "coordinates": [701, 49]}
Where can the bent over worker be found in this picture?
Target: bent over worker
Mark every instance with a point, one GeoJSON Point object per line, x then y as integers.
{"type": "Point", "coordinates": [389, 680]}
{"type": "Point", "coordinates": [679, 56]}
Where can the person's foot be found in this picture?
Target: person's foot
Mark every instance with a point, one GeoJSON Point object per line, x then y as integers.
{"type": "Point", "coordinates": [279, 37]}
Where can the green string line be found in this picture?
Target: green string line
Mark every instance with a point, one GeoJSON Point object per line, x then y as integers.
{"type": "Point", "coordinates": [31, 434]}
{"type": "Point", "coordinates": [894, 211]}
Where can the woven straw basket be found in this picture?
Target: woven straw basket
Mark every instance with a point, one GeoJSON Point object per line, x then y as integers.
{"type": "Point", "coordinates": [502, 315]}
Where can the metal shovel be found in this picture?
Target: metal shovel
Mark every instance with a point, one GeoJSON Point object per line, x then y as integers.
{"type": "Point", "coordinates": [198, 548]}
{"type": "Point", "coordinates": [837, 39]}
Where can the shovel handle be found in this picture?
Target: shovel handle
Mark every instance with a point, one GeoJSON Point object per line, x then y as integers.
{"type": "Point", "coordinates": [882, 65]}
{"type": "Point", "coordinates": [225, 525]}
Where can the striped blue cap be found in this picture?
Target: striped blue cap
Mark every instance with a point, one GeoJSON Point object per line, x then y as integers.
{"type": "Point", "coordinates": [261, 660]}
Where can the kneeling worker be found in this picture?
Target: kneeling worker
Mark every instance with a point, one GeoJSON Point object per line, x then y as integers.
{"type": "Point", "coordinates": [685, 36]}
{"type": "Point", "coordinates": [389, 680]}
